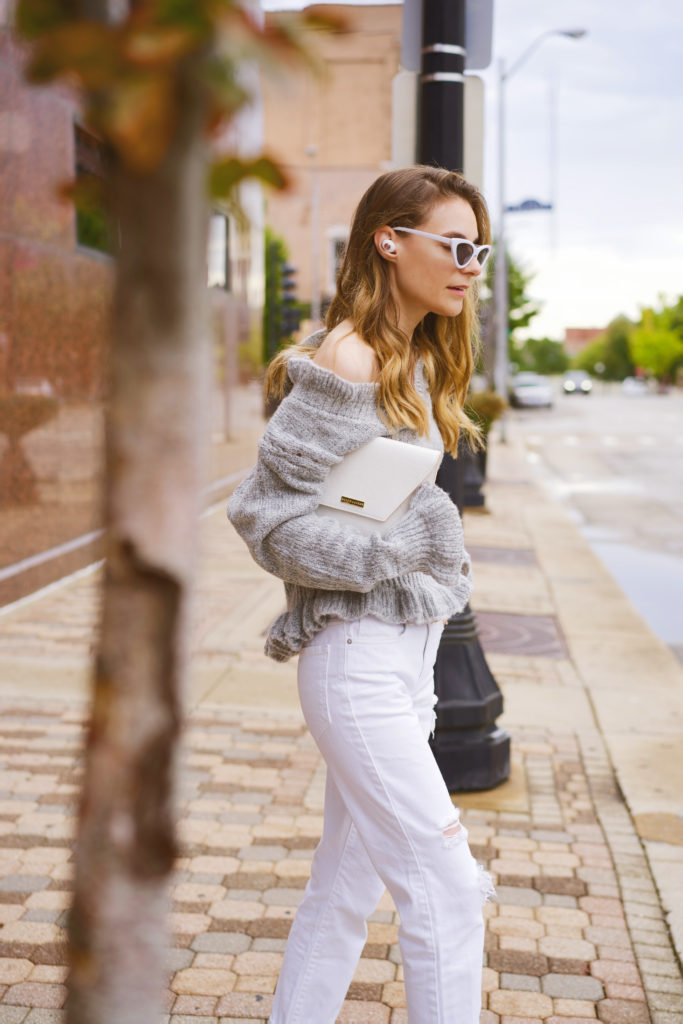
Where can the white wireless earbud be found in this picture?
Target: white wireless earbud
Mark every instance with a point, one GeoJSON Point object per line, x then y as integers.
{"type": "Point", "coordinates": [388, 245]}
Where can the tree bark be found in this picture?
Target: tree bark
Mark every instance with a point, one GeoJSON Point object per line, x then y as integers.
{"type": "Point", "coordinates": [125, 844]}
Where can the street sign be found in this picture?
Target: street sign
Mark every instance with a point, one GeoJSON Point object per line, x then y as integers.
{"type": "Point", "coordinates": [478, 34]}
{"type": "Point", "coordinates": [411, 41]}
{"type": "Point", "coordinates": [403, 118]}
{"type": "Point", "coordinates": [403, 124]}
{"type": "Point", "coordinates": [528, 205]}
{"type": "Point", "coordinates": [474, 130]}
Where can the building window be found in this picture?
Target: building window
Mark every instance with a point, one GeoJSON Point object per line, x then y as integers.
{"type": "Point", "coordinates": [93, 230]}
{"type": "Point", "coordinates": [336, 242]}
{"type": "Point", "coordinates": [219, 251]}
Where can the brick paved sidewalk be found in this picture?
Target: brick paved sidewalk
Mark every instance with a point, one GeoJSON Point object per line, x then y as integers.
{"type": "Point", "coordinates": [576, 934]}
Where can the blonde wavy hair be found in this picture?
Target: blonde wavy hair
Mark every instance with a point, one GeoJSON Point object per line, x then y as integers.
{"type": "Point", "coordinates": [448, 345]}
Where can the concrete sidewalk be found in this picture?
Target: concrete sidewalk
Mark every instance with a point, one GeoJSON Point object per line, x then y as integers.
{"type": "Point", "coordinates": [585, 840]}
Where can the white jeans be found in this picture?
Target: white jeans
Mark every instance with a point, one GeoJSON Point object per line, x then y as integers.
{"type": "Point", "coordinates": [367, 693]}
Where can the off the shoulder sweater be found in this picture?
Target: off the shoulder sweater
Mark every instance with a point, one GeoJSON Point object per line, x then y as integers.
{"type": "Point", "coordinates": [418, 572]}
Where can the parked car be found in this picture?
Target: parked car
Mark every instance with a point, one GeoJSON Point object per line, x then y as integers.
{"type": "Point", "coordinates": [634, 386]}
{"type": "Point", "coordinates": [530, 390]}
{"type": "Point", "coordinates": [577, 382]}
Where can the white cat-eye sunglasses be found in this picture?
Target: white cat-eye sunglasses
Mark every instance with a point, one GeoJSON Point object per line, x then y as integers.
{"type": "Point", "coordinates": [463, 250]}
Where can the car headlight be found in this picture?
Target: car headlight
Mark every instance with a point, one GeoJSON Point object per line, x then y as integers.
{"type": "Point", "coordinates": [586, 385]}
{"type": "Point", "coordinates": [569, 385]}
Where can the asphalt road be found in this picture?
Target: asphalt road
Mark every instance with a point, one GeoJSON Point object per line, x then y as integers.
{"type": "Point", "coordinates": [616, 461]}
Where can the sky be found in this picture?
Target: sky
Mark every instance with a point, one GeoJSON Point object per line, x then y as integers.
{"type": "Point", "coordinates": [611, 107]}
{"type": "Point", "coordinates": [615, 241]}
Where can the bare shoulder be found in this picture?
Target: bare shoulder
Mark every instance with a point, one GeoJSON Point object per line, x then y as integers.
{"type": "Point", "coordinates": [346, 354]}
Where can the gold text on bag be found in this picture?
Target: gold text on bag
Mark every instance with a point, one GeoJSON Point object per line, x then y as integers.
{"type": "Point", "coordinates": [352, 501]}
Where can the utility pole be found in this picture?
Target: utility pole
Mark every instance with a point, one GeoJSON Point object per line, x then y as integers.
{"type": "Point", "coordinates": [500, 280]}
{"type": "Point", "coordinates": [471, 751]}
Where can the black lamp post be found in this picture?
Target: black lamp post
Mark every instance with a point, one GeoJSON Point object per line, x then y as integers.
{"type": "Point", "coordinates": [471, 751]}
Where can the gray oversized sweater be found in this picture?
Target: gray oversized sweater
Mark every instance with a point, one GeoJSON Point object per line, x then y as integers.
{"type": "Point", "coordinates": [418, 572]}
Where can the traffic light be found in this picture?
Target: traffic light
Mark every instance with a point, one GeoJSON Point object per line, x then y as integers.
{"type": "Point", "coordinates": [291, 315]}
{"type": "Point", "coordinates": [282, 313]}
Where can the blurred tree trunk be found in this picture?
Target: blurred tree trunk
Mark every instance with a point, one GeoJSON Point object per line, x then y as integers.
{"type": "Point", "coordinates": [158, 79]}
{"type": "Point", "coordinates": [158, 363]}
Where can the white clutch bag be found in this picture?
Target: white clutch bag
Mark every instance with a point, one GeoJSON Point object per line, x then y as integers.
{"type": "Point", "coordinates": [371, 488]}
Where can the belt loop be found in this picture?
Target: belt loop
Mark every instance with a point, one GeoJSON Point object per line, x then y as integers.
{"type": "Point", "coordinates": [352, 630]}
{"type": "Point", "coordinates": [428, 631]}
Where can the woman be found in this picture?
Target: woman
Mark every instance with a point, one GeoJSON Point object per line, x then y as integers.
{"type": "Point", "coordinates": [365, 613]}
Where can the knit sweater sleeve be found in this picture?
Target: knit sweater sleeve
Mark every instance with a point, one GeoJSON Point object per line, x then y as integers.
{"type": "Point", "coordinates": [273, 509]}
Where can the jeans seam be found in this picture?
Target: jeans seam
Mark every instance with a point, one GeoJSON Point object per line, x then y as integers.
{"type": "Point", "coordinates": [322, 703]}
{"type": "Point", "coordinates": [437, 962]}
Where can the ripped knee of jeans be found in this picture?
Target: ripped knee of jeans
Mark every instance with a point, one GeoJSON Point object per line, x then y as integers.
{"type": "Point", "coordinates": [452, 835]}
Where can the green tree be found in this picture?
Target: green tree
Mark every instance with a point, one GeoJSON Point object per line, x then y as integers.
{"type": "Point", "coordinates": [280, 320]}
{"type": "Point", "coordinates": [521, 309]}
{"type": "Point", "coordinates": [276, 256]}
{"type": "Point", "coordinates": [543, 355]}
{"type": "Point", "coordinates": [676, 314]}
{"type": "Point", "coordinates": [608, 357]}
{"type": "Point", "coordinates": [656, 344]}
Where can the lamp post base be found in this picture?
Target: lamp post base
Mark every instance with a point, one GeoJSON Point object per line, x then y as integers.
{"type": "Point", "coordinates": [472, 752]}
{"type": "Point", "coordinates": [471, 760]}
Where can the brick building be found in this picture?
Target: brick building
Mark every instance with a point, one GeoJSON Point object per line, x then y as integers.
{"type": "Point", "coordinates": [332, 132]}
{"type": "Point", "coordinates": [576, 339]}
{"type": "Point", "coordinates": [56, 278]}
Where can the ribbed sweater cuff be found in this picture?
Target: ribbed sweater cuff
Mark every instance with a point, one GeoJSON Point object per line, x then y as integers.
{"type": "Point", "coordinates": [434, 546]}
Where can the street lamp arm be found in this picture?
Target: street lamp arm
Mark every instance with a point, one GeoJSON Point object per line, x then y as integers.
{"type": "Point", "coordinates": [524, 56]}
{"type": "Point", "coordinates": [571, 33]}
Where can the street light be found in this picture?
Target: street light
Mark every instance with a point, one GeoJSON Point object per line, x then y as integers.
{"type": "Point", "coordinates": [500, 284]}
